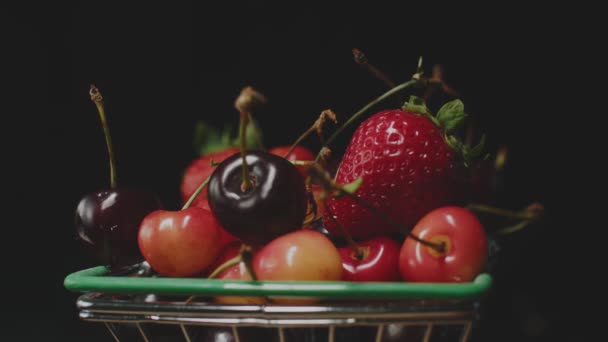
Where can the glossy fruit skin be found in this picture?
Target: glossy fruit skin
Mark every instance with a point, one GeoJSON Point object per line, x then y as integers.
{"type": "Point", "coordinates": [226, 238]}
{"type": "Point", "coordinates": [274, 206]}
{"type": "Point", "coordinates": [380, 262]}
{"type": "Point", "coordinates": [299, 153]}
{"type": "Point", "coordinates": [180, 243]}
{"type": "Point", "coordinates": [107, 223]}
{"type": "Point", "coordinates": [407, 171]}
{"type": "Point", "coordinates": [227, 252]}
{"type": "Point", "coordinates": [303, 255]}
{"type": "Point", "coordinates": [237, 272]}
{"type": "Point", "coordinates": [198, 170]}
{"type": "Point", "coordinates": [464, 259]}
{"type": "Point", "coordinates": [300, 256]}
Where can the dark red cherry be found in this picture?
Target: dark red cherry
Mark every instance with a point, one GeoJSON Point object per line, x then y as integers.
{"type": "Point", "coordinates": [107, 223]}
{"type": "Point", "coordinates": [275, 204]}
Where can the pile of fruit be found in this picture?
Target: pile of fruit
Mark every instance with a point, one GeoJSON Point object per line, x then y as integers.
{"type": "Point", "coordinates": [394, 210]}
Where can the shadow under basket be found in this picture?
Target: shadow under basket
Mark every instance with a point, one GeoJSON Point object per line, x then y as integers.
{"type": "Point", "coordinates": [136, 308]}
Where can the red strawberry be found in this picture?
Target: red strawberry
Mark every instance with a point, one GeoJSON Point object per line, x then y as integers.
{"type": "Point", "coordinates": [408, 169]}
{"type": "Point", "coordinates": [198, 170]}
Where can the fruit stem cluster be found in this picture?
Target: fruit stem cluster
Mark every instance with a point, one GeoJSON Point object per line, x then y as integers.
{"type": "Point", "coordinates": [317, 126]}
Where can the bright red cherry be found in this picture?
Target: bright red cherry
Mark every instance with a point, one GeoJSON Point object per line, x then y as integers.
{"type": "Point", "coordinates": [465, 247]}
{"type": "Point", "coordinates": [180, 243]}
{"type": "Point", "coordinates": [379, 261]}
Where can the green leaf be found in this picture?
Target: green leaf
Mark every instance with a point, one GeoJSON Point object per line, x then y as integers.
{"type": "Point", "coordinates": [352, 187]}
{"type": "Point", "coordinates": [416, 104]}
{"type": "Point", "coordinates": [208, 139]}
{"type": "Point", "coordinates": [454, 143]}
{"type": "Point", "coordinates": [478, 149]}
{"type": "Point", "coordinates": [451, 115]}
{"type": "Point", "coordinates": [452, 106]}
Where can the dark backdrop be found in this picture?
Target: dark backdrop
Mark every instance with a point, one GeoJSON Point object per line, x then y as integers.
{"type": "Point", "coordinates": [163, 66]}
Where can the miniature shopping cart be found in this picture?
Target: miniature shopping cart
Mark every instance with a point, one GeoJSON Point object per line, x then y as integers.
{"type": "Point", "coordinates": [148, 308]}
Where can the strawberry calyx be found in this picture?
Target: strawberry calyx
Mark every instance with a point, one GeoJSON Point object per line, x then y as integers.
{"type": "Point", "coordinates": [209, 139]}
{"type": "Point", "coordinates": [449, 118]}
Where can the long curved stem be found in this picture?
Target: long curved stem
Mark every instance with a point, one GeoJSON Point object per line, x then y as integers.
{"type": "Point", "coordinates": [482, 208]}
{"type": "Point", "coordinates": [226, 265]}
{"type": "Point", "coordinates": [98, 100]}
{"type": "Point", "coordinates": [349, 240]}
{"type": "Point", "coordinates": [363, 110]}
{"type": "Point", "coordinates": [196, 193]}
{"type": "Point", "coordinates": [299, 140]}
{"type": "Point", "coordinates": [439, 247]}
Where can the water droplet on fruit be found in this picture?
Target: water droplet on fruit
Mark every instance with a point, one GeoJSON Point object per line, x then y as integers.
{"type": "Point", "coordinates": [391, 167]}
{"type": "Point", "coordinates": [423, 155]}
{"type": "Point", "coordinates": [409, 152]}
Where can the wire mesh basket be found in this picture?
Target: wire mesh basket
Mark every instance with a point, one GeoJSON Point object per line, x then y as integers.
{"type": "Point", "coordinates": [136, 308]}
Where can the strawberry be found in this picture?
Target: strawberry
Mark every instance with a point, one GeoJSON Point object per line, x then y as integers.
{"type": "Point", "coordinates": [198, 170]}
{"type": "Point", "coordinates": [409, 164]}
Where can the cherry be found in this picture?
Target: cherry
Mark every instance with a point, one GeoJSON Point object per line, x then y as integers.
{"type": "Point", "coordinates": [376, 259]}
{"type": "Point", "coordinates": [200, 169]}
{"type": "Point", "coordinates": [303, 255]}
{"type": "Point", "coordinates": [180, 243]}
{"type": "Point", "coordinates": [227, 252]}
{"type": "Point", "coordinates": [274, 205]}
{"type": "Point", "coordinates": [465, 247]}
{"type": "Point", "coordinates": [238, 272]}
{"type": "Point", "coordinates": [107, 221]}
{"type": "Point", "coordinates": [256, 196]}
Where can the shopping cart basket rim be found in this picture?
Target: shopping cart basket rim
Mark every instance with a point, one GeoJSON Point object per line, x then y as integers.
{"type": "Point", "coordinates": [98, 279]}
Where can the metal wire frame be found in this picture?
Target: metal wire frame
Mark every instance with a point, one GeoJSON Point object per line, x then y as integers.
{"type": "Point", "coordinates": [428, 314]}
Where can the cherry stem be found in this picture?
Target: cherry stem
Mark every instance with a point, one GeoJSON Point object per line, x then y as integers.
{"type": "Point", "coordinates": [98, 100]}
{"type": "Point", "coordinates": [196, 193]}
{"type": "Point", "coordinates": [349, 240]}
{"type": "Point", "coordinates": [317, 126]}
{"type": "Point", "coordinates": [247, 258]}
{"type": "Point", "coordinates": [439, 247]}
{"type": "Point", "coordinates": [221, 268]}
{"type": "Point", "coordinates": [226, 265]}
{"type": "Point", "coordinates": [299, 140]}
{"type": "Point", "coordinates": [246, 185]}
{"type": "Point", "coordinates": [514, 228]}
{"type": "Point", "coordinates": [363, 110]}
{"type": "Point", "coordinates": [529, 213]}
{"type": "Point", "coordinates": [361, 59]}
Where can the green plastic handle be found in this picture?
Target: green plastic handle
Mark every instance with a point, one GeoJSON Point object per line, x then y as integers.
{"type": "Point", "coordinates": [95, 280]}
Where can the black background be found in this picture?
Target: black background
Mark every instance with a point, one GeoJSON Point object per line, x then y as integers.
{"type": "Point", "coordinates": [163, 66]}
